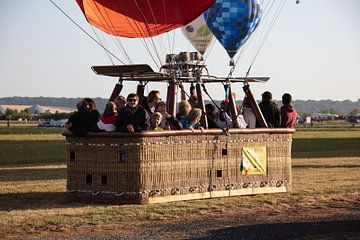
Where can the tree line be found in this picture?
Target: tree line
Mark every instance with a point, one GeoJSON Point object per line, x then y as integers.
{"type": "Point", "coordinates": [304, 107]}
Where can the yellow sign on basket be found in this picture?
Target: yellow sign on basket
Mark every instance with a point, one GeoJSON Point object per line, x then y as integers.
{"type": "Point", "coordinates": [253, 160]}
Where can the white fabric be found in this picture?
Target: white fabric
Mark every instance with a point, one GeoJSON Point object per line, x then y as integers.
{"type": "Point", "coordinates": [249, 117]}
{"type": "Point", "coordinates": [107, 127]}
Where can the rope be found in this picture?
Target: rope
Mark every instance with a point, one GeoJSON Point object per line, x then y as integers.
{"type": "Point", "coordinates": [63, 12]}
{"type": "Point", "coordinates": [107, 54]}
{"type": "Point", "coordinates": [137, 29]}
{"type": "Point", "coordinates": [273, 21]}
{"type": "Point", "coordinates": [277, 13]}
{"type": "Point", "coordinates": [151, 39]}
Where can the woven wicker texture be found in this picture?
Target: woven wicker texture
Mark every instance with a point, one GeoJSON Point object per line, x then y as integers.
{"type": "Point", "coordinates": [138, 168]}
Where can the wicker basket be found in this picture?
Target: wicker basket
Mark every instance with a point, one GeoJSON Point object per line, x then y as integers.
{"type": "Point", "coordinates": [163, 166]}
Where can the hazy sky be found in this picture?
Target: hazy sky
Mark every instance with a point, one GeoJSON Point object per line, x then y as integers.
{"type": "Point", "coordinates": [313, 52]}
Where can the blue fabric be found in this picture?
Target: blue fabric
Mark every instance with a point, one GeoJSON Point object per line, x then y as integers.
{"type": "Point", "coordinates": [186, 123]}
{"type": "Point", "coordinates": [233, 21]}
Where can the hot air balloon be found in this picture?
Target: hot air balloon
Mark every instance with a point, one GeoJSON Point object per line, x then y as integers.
{"type": "Point", "coordinates": [198, 33]}
{"type": "Point", "coordinates": [233, 21]}
{"type": "Point", "coordinates": [172, 165]}
{"type": "Point", "coordinates": [141, 18]}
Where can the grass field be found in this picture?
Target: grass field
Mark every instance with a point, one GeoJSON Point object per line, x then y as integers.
{"type": "Point", "coordinates": [326, 187]}
{"type": "Point", "coordinates": [21, 145]}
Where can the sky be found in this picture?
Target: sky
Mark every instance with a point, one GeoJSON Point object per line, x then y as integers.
{"type": "Point", "coordinates": [312, 52]}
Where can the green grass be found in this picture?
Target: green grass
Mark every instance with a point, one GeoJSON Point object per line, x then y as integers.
{"type": "Point", "coordinates": [20, 145]}
{"type": "Point", "coordinates": [28, 130]}
{"type": "Point", "coordinates": [326, 141]}
{"type": "Point", "coordinates": [18, 152]}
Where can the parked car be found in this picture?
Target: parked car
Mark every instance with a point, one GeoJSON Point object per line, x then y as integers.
{"type": "Point", "coordinates": [354, 120]}
{"type": "Point", "coordinates": [58, 123]}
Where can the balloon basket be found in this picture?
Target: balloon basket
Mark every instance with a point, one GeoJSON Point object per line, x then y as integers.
{"type": "Point", "coordinates": [166, 166]}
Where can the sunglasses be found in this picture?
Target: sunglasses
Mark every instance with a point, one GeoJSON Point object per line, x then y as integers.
{"type": "Point", "coordinates": [132, 100]}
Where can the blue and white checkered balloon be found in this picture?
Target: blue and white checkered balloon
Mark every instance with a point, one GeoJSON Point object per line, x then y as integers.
{"type": "Point", "coordinates": [233, 21]}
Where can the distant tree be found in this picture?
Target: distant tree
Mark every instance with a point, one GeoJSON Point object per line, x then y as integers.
{"type": "Point", "coordinates": [9, 111]}
{"type": "Point", "coordinates": [331, 111]}
{"type": "Point", "coordinates": [304, 114]}
{"type": "Point", "coordinates": [355, 112]}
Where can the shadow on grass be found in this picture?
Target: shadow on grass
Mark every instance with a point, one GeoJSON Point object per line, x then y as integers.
{"type": "Point", "coordinates": [38, 200]}
{"type": "Point", "coordinates": [33, 174]}
{"type": "Point", "coordinates": [296, 230]}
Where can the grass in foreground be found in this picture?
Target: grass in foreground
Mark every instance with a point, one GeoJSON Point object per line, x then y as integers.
{"type": "Point", "coordinates": [32, 200]}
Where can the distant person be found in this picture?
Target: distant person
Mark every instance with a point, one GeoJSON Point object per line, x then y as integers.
{"type": "Point", "coordinates": [149, 103]}
{"type": "Point", "coordinates": [107, 122]}
{"type": "Point", "coordinates": [249, 114]}
{"type": "Point", "coordinates": [133, 117]}
{"type": "Point", "coordinates": [289, 115]}
{"type": "Point", "coordinates": [270, 110]}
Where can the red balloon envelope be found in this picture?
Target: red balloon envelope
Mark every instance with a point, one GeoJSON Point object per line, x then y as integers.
{"type": "Point", "coordinates": [141, 18]}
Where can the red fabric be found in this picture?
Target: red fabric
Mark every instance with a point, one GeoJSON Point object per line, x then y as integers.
{"type": "Point", "coordinates": [141, 18]}
{"type": "Point", "coordinates": [109, 119]}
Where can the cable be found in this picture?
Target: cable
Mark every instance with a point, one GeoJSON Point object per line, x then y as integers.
{"type": "Point", "coordinates": [85, 31]}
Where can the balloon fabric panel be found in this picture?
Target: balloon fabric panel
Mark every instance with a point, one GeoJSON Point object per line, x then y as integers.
{"type": "Point", "coordinates": [141, 18]}
{"type": "Point", "coordinates": [199, 35]}
{"type": "Point", "coordinates": [232, 22]}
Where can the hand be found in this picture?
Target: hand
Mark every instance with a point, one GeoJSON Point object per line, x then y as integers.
{"type": "Point", "coordinates": [130, 128]}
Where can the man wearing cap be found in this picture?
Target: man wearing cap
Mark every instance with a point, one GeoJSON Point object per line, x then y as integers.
{"type": "Point", "coordinates": [270, 110]}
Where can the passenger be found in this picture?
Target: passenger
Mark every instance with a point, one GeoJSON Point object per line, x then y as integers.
{"type": "Point", "coordinates": [222, 118]}
{"type": "Point", "coordinates": [289, 115]}
{"type": "Point", "coordinates": [149, 103]}
{"type": "Point", "coordinates": [270, 110]}
{"type": "Point", "coordinates": [184, 109]}
{"type": "Point", "coordinates": [81, 121]}
{"type": "Point", "coordinates": [192, 120]}
{"type": "Point", "coordinates": [249, 114]}
{"type": "Point", "coordinates": [133, 117]}
{"type": "Point", "coordinates": [120, 102]}
{"type": "Point", "coordinates": [94, 113]}
{"type": "Point", "coordinates": [155, 121]}
{"type": "Point", "coordinates": [161, 108]}
{"type": "Point", "coordinates": [168, 121]}
{"type": "Point", "coordinates": [210, 113]}
{"type": "Point", "coordinates": [107, 122]}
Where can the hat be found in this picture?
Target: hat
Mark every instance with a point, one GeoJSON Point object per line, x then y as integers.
{"type": "Point", "coordinates": [267, 95]}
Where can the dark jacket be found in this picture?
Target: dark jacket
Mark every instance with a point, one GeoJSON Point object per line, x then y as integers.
{"type": "Point", "coordinates": [137, 117]}
{"type": "Point", "coordinates": [271, 113]}
{"type": "Point", "coordinates": [145, 105]}
{"type": "Point", "coordinates": [83, 121]}
{"type": "Point", "coordinates": [289, 116]}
